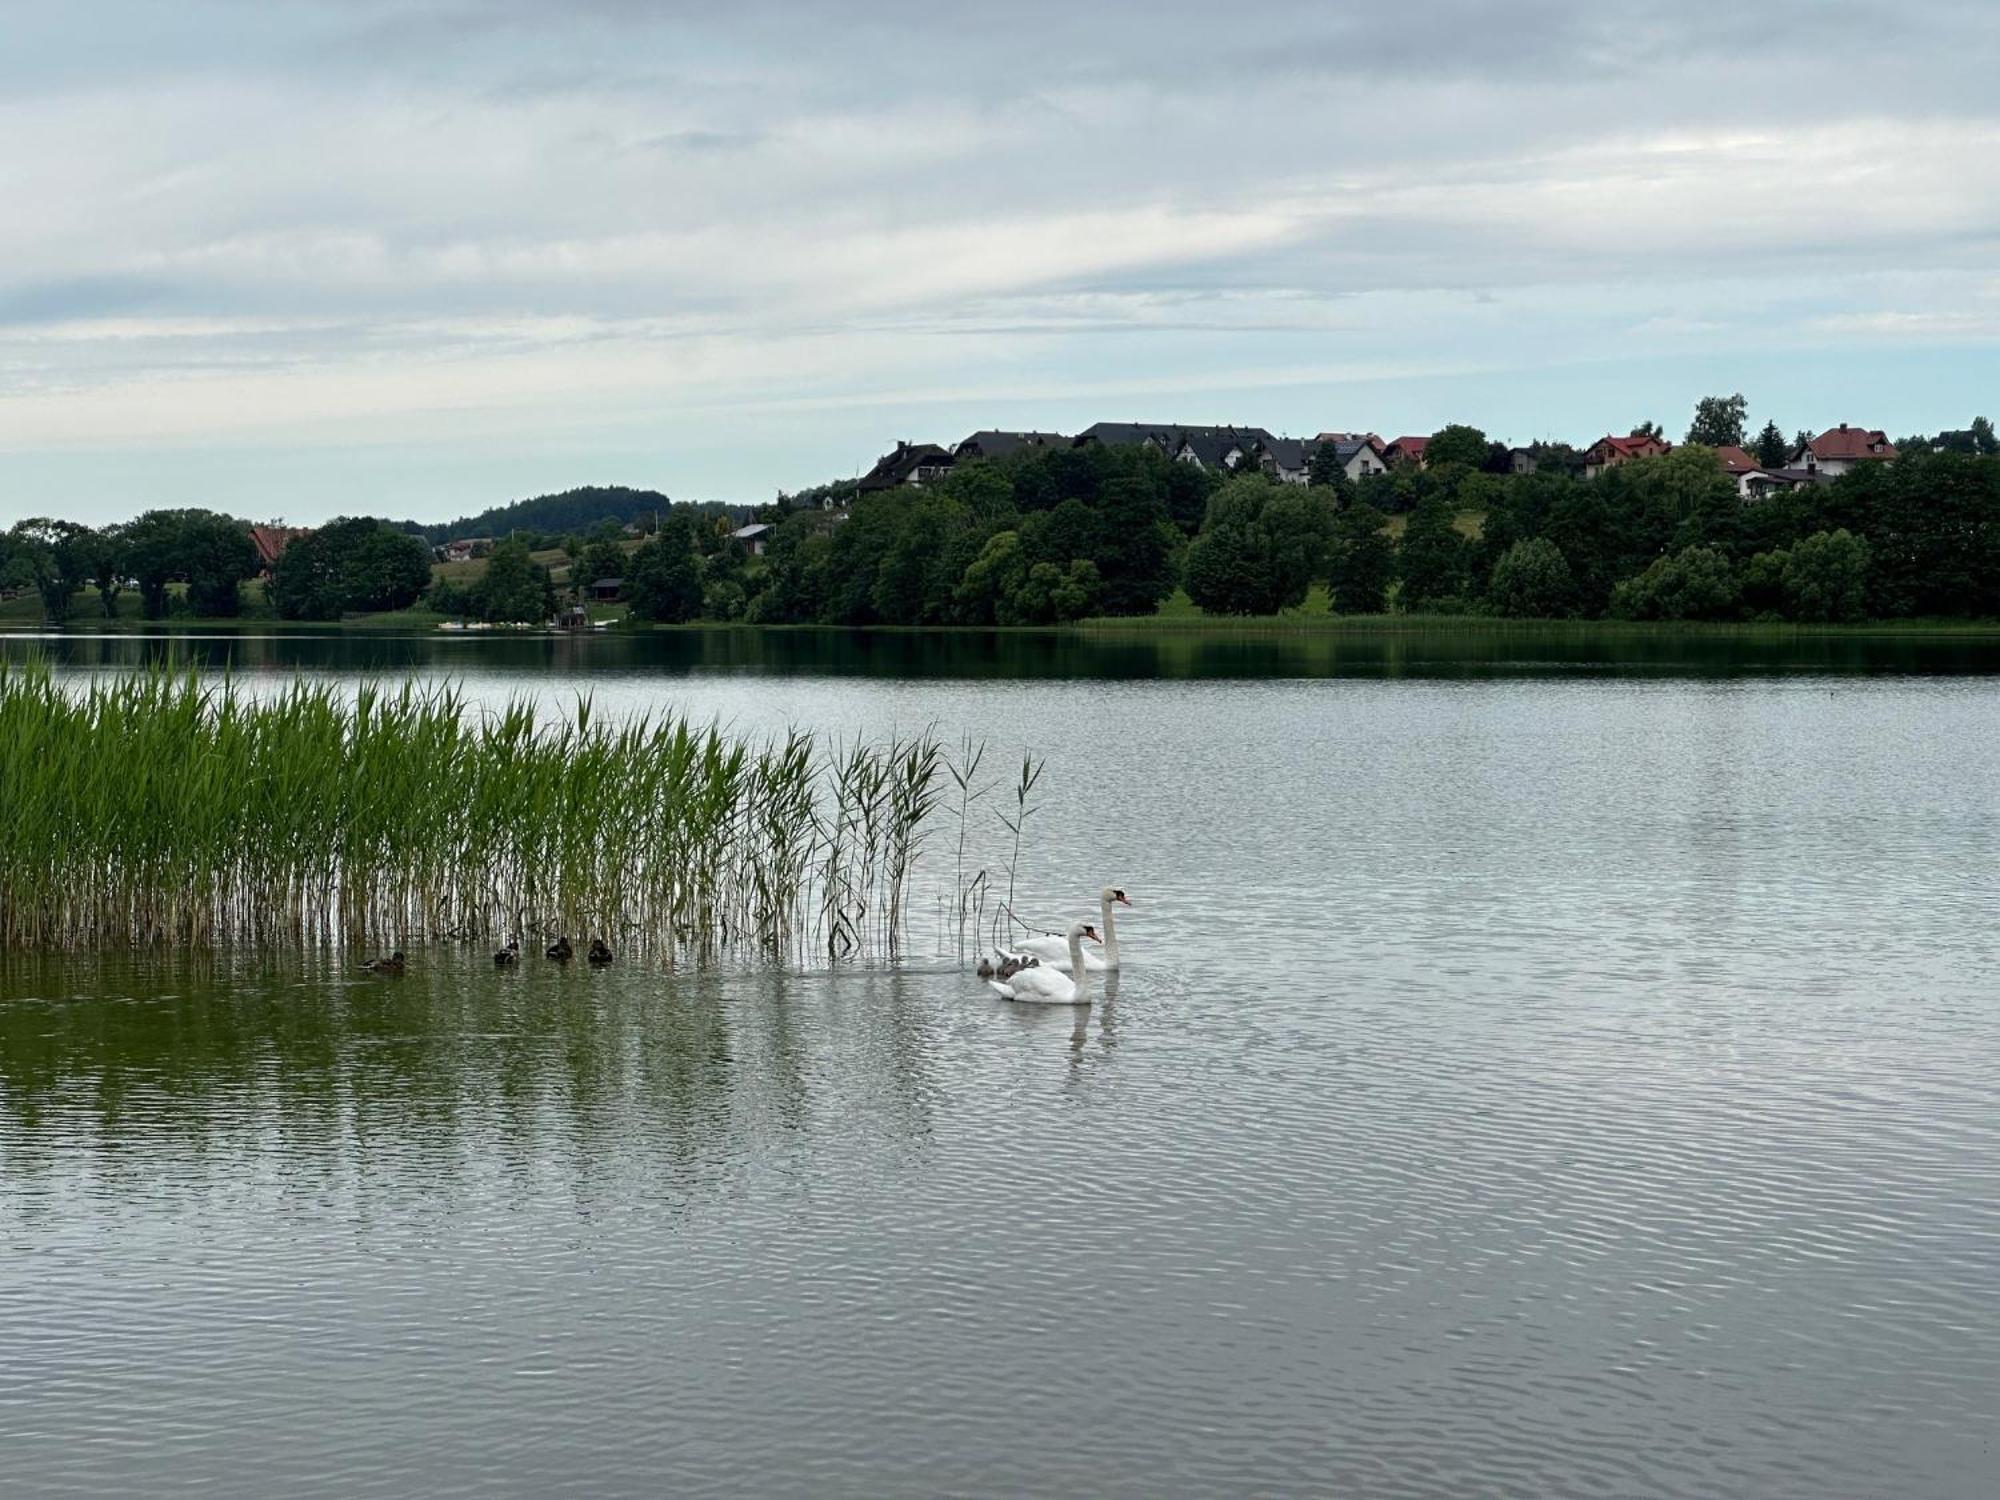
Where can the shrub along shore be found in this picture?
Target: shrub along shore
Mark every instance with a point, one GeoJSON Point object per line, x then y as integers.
{"type": "Point", "coordinates": [159, 809]}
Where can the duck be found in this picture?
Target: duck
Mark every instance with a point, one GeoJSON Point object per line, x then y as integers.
{"type": "Point", "coordinates": [561, 951]}
{"type": "Point", "coordinates": [1053, 951]}
{"type": "Point", "coordinates": [600, 952]}
{"type": "Point", "coordinates": [509, 955]}
{"type": "Point", "coordinates": [393, 964]}
{"type": "Point", "coordinates": [1042, 984]}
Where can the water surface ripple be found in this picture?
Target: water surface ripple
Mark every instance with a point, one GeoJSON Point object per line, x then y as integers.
{"type": "Point", "coordinates": [1523, 1088]}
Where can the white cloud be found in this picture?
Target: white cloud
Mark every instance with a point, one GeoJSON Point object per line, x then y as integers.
{"type": "Point", "coordinates": [303, 224]}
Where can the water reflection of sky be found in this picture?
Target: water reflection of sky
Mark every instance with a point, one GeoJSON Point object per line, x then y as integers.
{"type": "Point", "coordinates": [1506, 1072]}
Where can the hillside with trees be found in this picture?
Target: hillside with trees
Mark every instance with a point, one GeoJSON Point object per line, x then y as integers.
{"type": "Point", "coordinates": [1059, 535]}
{"type": "Point", "coordinates": [1050, 535]}
{"type": "Point", "coordinates": [577, 510]}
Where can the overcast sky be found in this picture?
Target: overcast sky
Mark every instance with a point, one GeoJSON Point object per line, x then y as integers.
{"type": "Point", "coordinates": [293, 258]}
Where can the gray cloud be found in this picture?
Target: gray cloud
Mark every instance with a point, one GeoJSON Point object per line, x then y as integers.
{"type": "Point", "coordinates": [293, 225]}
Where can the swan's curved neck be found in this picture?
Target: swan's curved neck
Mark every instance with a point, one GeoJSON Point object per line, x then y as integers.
{"type": "Point", "coordinates": [1110, 933]}
{"type": "Point", "coordinates": [1079, 973]}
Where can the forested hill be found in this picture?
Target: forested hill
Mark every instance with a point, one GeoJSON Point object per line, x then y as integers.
{"type": "Point", "coordinates": [578, 510]}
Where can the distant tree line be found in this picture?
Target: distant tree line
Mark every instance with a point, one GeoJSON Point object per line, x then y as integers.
{"type": "Point", "coordinates": [1042, 538]}
{"type": "Point", "coordinates": [65, 561]}
{"type": "Point", "coordinates": [1057, 534]}
{"type": "Point", "coordinates": [1669, 538]}
{"type": "Point", "coordinates": [545, 520]}
{"type": "Point", "coordinates": [194, 563]}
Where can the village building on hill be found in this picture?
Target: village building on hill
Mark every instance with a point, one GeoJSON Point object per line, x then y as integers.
{"type": "Point", "coordinates": [1841, 448]}
{"type": "Point", "coordinates": [1359, 454]}
{"type": "Point", "coordinates": [271, 542]}
{"type": "Point", "coordinates": [1609, 452]}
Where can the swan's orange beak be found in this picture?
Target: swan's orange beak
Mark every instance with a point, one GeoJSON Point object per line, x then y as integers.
{"type": "Point", "coordinates": [1121, 898]}
{"type": "Point", "coordinates": [1091, 933]}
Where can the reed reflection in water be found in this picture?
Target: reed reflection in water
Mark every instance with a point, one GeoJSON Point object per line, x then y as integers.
{"type": "Point", "coordinates": [1533, 1085]}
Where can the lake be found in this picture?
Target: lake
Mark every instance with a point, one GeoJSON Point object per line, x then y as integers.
{"type": "Point", "coordinates": [1546, 1064]}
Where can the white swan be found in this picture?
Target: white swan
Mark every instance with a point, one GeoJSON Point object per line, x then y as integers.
{"type": "Point", "coordinates": [1053, 950]}
{"type": "Point", "coordinates": [1041, 984]}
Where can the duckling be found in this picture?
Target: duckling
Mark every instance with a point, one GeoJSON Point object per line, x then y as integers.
{"type": "Point", "coordinates": [511, 954]}
{"type": "Point", "coordinates": [393, 964]}
{"type": "Point", "coordinates": [561, 951]}
{"type": "Point", "coordinates": [600, 954]}
{"type": "Point", "coordinates": [1008, 965]}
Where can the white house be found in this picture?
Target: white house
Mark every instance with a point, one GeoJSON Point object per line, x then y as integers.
{"type": "Point", "coordinates": [1839, 449]}
{"type": "Point", "coordinates": [1359, 454]}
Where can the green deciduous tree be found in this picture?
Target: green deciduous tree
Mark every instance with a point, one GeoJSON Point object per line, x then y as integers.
{"type": "Point", "coordinates": [665, 582]}
{"type": "Point", "coordinates": [350, 566]}
{"type": "Point", "coordinates": [1053, 595]}
{"type": "Point", "coordinates": [1134, 546]}
{"type": "Point", "coordinates": [514, 589]}
{"type": "Point", "coordinates": [1761, 582]}
{"type": "Point", "coordinates": [1432, 559]}
{"type": "Point", "coordinates": [1696, 583]}
{"type": "Point", "coordinates": [1532, 580]}
{"type": "Point", "coordinates": [1456, 444]}
{"type": "Point", "coordinates": [1826, 577]}
{"type": "Point", "coordinates": [600, 558]}
{"type": "Point", "coordinates": [1718, 421]}
{"type": "Point", "coordinates": [1361, 562]}
{"type": "Point", "coordinates": [991, 579]}
{"type": "Point", "coordinates": [1260, 547]}
{"type": "Point", "coordinates": [1932, 522]}
{"type": "Point", "coordinates": [61, 557]}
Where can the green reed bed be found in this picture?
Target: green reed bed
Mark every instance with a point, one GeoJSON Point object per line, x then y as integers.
{"type": "Point", "coordinates": [163, 810]}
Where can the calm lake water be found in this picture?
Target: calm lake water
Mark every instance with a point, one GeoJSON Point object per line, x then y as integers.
{"type": "Point", "coordinates": [1541, 1069]}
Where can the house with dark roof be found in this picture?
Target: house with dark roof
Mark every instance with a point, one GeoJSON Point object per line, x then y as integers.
{"type": "Point", "coordinates": [1223, 448]}
{"type": "Point", "coordinates": [1359, 454]}
{"type": "Point", "coordinates": [1287, 460]}
{"type": "Point", "coordinates": [1609, 452]}
{"type": "Point", "coordinates": [1522, 461]}
{"type": "Point", "coordinates": [1761, 483]}
{"type": "Point", "coordinates": [995, 444]}
{"type": "Point", "coordinates": [1231, 450]}
{"type": "Point", "coordinates": [1839, 449]}
{"type": "Point", "coordinates": [1164, 437]}
{"type": "Point", "coordinates": [911, 463]}
{"type": "Point", "coordinates": [1961, 440]}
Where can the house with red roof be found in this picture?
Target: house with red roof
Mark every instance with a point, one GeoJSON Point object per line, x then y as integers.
{"type": "Point", "coordinates": [1609, 452]}
{"type": "Point", "coordinates": [1406, 450]}
{"type": "Point", "coordinates": [270, 542]}
{"type": "Point", "coordinates": [1839, 449]}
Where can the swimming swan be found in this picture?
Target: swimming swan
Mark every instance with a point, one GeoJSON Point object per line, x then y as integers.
{"type": "Point", "coordinates": [1053, 949]}
{"type": "Point", "coordinates": [1041, 984]}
